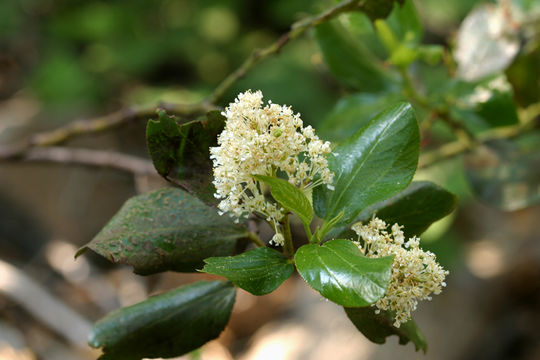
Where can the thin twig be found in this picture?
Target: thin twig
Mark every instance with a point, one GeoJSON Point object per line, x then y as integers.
{"type": "Point", "coordinates": [88, 157]}
{"type": "Point", "coordinates": [288, 246]}
{"type": "Point", "coordinates": [97, 125]}
{"type": "Point", "coordinates": [458, 147]}
{"type": "Point", "coordinates": [296, 30]}
{"type": "Point", "coordinates": [121, 117]}
{"type": "Point", "coordinates": [254, 238]}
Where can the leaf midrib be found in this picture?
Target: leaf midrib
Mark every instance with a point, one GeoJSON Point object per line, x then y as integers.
{"type": "Point", "coordinates": [359, 166]}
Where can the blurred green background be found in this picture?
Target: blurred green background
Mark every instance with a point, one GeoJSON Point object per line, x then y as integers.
{"type": "Point", "coordinates": [99, 55]}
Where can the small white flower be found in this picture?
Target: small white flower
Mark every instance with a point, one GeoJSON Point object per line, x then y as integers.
{"type": "Point", "coordinates": [262, 140]}
{"type": "Point", "coordinates": [415, 273]}
{"type": "Point", "coordinates": [278, 239]}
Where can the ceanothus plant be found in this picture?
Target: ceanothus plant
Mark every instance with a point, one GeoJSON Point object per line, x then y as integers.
{"type": "Point", "coordinates": [268, 167]}
{"type": "Point", "coordinates": [362, 215]}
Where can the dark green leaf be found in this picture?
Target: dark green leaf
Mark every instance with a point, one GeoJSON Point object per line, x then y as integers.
{"type": "Point", "coordinates": [375, 163]}
{"type": "Point", "coordinates": [352, 113]}
{"type": "Point", "coordinates": [166, 229]}
{"type": "Point", "coordinates": [485, 104]}
{"type": "Point", "coordinates": [289, 196]}
{"type": "Point", "coordinates": [166, 325]}
{"type": "Point", "coordinates": [163, 139]}
{"type": "Point", "coordinates": [499, 110]}
{"type": "Point", "coordinates": [416, 208]}
{"type": "Point", "coordinates": [340, 272]}
{"type": "Point", "coordinates": [505, 173]}
{"type": "Point", "coordinates": [194, 167]}
{"type": "Point", "coordinates": [258, 271]}
{"type": "Point", "coordinates": [327, 226]}
{"type": "Point", "coordinates": [377, 327]}
{"type": "Point", "coordinates": [377, 9]}
{"type": "Point", "coordinates": [349, 60]}
{"type": "Point", "coordinates": [181, 152]}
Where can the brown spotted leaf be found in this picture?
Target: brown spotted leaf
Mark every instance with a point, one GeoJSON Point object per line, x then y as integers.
{"type": "Point", "coordinates": [167, 229]}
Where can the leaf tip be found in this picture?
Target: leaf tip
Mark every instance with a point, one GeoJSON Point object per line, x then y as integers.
{"type": "Point", "coordinates": [93, 339]}
{"type": "Point", "coordinates": [81, 251]}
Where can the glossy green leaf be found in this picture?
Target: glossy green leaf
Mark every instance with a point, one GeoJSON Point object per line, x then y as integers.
{"type": "Point", "coordinates": [340, 272]}
{"type": "Point", "coordinates": [163, 140]}
{"type": "Point", "coordinates": [352, 113]}
{"type": "Point", "coordinates": [166, 229]}
{"type": "Point", "coordinates": [416, 208]}
{"type": "Point", "coordinates": [327, 226]}
{"type": "Point", "coordinates": [166, 325]}
{"type": "Point", "coordinates": [506, 173]}
{"type": "Point", "coordinates": [377, 327]}
{"type": "Point", "coordinates": [349, 60]}
{"type": "Point", "coordinates": [375, 163]}
{"type": "Point", "coordinates": [259, 271]}
{"type": "Point", "coordinates": [289, 196]}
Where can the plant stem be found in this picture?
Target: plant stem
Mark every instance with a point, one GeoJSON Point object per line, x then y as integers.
{"type": "Point", "coordinates": [96, 125]}
{"type": "Point", "coordinates": [255, 239]}
{"type": "Point", "coordinates": [410, 91]}
{"type": "Point", "coordinates": [457, 147]}
{"type": "Point", "coordinates": [288, 247]}
{"type": "Point", "coordinates": [308, 232]}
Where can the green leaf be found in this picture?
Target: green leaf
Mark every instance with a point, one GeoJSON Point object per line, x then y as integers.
{"type": "Point", "coordinates": [405, 22]}
{"type": "Point", "coordinates": [431, 54]}
{"type": "Point", "coordinates": [289, 196]}
{"type": "Point", "coordinates": [327, 226]}
{"type": "Point", "coordinates": [180, 152]}
{"type": "Point", "coordinates": [352, 113]}
{"type": "Point", "coordinates": [361, 27]}
{"type": "Point", "coordinates": [340, 272]}
{"type": "Point", "coordinates": [416, 208]}
{"type": "Point", "coordinates": [484, 105]}
{"type": "Point", "coordinates": [377, 327]}
{"type": "Point", "coordinates": [166, 325]}
{"type": "Point", "coordinates": [166, 229]}
{"type": "Point", "coordinates": [375, 163]}
{"type": "Point", "coordinates": [377, 9]}
{"type": "Point", "coordinates": [499, 110]}
{"type": "Point", "coordinates": [349, 60]}
{"type": "Point", "coordinates": [163, 139]}
{"type": "Point", "coordinates": [259, 271]}
{"type": "Point", "coordinates": [505, 173]}
{"type": "Point", "coordinates": [194, 167]}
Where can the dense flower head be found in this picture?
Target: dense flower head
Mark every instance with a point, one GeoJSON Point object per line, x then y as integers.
{"type": "Point", "coordinates": [415, 273]}
{"type": "Point", "coordinates": [267, 140]}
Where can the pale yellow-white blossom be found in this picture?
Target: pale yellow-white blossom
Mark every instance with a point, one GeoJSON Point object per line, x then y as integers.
{"type": "Point", "coordinates": [415, 273]}
{"type": "Point", "coordinates": [267, 140]}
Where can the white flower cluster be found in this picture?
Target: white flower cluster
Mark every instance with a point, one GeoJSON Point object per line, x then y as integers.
{"type": "Point", "coordinates": [265, 140]}
{"type": "Point", "coordinates": [415, 272]}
